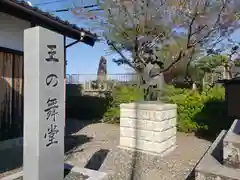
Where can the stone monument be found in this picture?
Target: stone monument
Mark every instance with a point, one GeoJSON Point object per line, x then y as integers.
{"type": "Point", "coordinates": [43, 105]}
{"type": "Point", "coordinates": [153, 81]}
{"type": "Point", "coordinates": [102, 73]}
{"type": "Point", "coordinates": [44, 111]}
{"type": "Point", "coordinates": [149, 126]}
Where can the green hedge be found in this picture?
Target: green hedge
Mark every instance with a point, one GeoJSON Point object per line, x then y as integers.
{"type": "Point", "coordinates": [84, 107]}
{"type": "Point", "coordinates": [201, 112]}
{"type": "Point", "coordinates": [121, 94]}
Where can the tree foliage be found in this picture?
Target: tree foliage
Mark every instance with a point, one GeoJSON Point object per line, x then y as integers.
{"type": "Point", "coordinates": [230, 59]}
{"type": "Point", "coordinates": [148, 28]}
{"type": "Point", "coordinates": [208, 64]}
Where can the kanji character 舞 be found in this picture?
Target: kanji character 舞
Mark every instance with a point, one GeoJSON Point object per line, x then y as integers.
{"type": "Point", "coordinates": [51, 110]}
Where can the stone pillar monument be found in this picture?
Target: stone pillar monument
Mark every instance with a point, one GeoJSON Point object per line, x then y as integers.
{"type": "Point", "coordinates": [44, 109]}
{"type": "Point", "coordinates": [102, 72]}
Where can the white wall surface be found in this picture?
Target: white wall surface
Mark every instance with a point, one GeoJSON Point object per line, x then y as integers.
{"type": "Point", "coordinates": [11, 31]}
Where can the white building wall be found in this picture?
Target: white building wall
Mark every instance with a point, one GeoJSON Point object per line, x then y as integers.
{"type": "Point", "coordinates": [11, 31]}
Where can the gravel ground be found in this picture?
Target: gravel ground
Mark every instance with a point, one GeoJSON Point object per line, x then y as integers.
{"type": "Point", "coordinates": [94, 146]}
{"type": "Point", "coordinates": [101, 153]}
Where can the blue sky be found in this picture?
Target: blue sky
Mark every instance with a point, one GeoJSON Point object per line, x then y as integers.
{"type": "Point", "coordinates": [82, 59]}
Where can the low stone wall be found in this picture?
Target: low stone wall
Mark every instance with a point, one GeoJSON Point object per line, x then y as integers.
{"type": "Point", "coordinates": [96, 93]}
{"type": "Point", "coordinates": [231, 146]}
{"type": "Point", "coordinates": [221, 161]}
{"type": "Point", "coordinates": [149, 127]}
{"type": "Point", "coordinates": [11, 143]}
{"type": "Point", "coordinates": [211, 168]}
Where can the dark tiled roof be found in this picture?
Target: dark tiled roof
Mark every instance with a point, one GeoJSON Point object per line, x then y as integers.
{"type": "Point", "coordinates": [235, 80]}
{"type": "Point", "coordinates": [25, 5]}
{"type": "Point", "coordinates": [49, 15]}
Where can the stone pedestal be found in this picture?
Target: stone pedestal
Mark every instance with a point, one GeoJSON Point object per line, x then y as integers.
{"type": "Point", "coordinates": [221, 161]}
{"type": "Point", "coordinates": [148, 127]}
{"type": "Point", "coordinates": [231, 146]}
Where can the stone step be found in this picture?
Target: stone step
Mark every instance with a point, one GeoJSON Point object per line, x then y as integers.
{"type": "Point", "coordinates": [231, 146]}
{"type": "Point", "coordinates": [71, 172]}
{"type": "Point", "coordinates": [210, 166]}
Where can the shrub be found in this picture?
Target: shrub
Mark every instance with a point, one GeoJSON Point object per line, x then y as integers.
{"type": "Point", "coordinates": [213, 117]}
{"type": "Point", "coordinates": [189, 103]}
{"type": "Point", "coordinates": [78, 105]}
{"type": "Point", "coordinates": [199, 111]}
{"type": "Point", "coordinates": [121, 94]}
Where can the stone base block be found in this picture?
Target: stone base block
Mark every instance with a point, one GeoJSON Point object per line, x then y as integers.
{"type": "Point", "coordinates": [73, 171]}
{"type": "Point", "coordinates": [210, 166]}
{"type": "Point", "coordinates": [162, 154]}
{"type": "Point", "coordinates": [148, 127]}
{"type": "Point", "coordinates": [148, 146]}
{"type": "Point", "coordinates": [231, 146]}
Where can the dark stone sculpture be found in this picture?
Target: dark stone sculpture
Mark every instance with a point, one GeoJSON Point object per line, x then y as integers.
{"type": "Point", "coordinates": [102, 72]}
{"type": "Point", "coordinates": [153, 81]}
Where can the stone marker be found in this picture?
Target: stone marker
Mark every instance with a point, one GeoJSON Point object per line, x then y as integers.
{"type": "Point", "coordinates": [43, 105]}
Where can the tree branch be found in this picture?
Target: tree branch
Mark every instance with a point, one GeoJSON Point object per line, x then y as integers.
{"type": "Point", "coordinates": [215, 24]}
{"type": "Point", "coordinates": [117, 25]}
{"type": "Point", "coordinates": [199, 29]}
{"type": "Point", "coordinates": [190, 28]}
{"type": "Point", "coordinates": [126, 60]}
{"type": "Point", "coordinates": [180, 56]}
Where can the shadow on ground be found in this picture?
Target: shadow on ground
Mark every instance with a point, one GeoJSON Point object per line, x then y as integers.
{"type": "Point", "coordinates": [97, 159]}
{"type": "Point", "coordinates": [191, 176]}
{"type": "Point", "coordinates": [74, 125]}
{"type": "Point", "coordinates": [72, 143]}
{"type": "Point", "coordinates": [11, 159]}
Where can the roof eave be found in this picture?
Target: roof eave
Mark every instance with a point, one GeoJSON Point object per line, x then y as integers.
{"type": "Point", "coordinates": [41, 18]}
